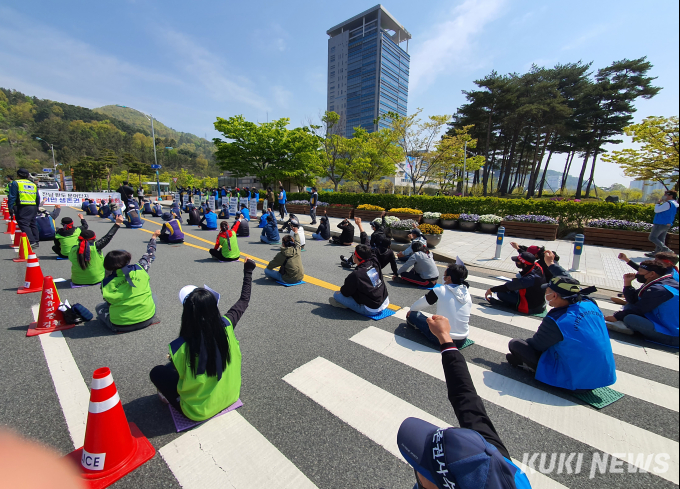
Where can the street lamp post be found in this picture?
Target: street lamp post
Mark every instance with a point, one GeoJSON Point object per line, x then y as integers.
{"type": "Point", "coordinates": [153, 138]}
{"type": "Point", "coordinates": [54, 161]}
{"type": "Point", "coordinates": [464, 168]}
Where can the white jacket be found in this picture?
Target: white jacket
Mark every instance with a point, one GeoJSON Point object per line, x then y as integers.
{"type": "Point", "coordinates": [453, 302]}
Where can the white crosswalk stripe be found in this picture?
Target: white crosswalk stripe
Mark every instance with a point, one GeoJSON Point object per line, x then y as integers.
{"type": "Point", "coordinates": [580, 423]}
{"type": "Point", "coordinates": [372, 411]}
{"type": "Point", "coordinates": [632, 385]}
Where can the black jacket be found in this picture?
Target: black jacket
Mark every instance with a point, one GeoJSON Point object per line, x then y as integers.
{"type": "Point", "coordinates": [324, 229]}
{"type": "Point", "coordinates": [381, 251]}
{"type": "Point", "coordinates": [347, 235]}
{"type": "Point", "coordinates": [366, 285]}
{"type": "Point", "coordinates": [243, 229]}
{"type": "Point", "coordinates": [194, 217]}
{"type": "Point", "coordinates": [528, 286]}
{"type": "Point", "coordinates": [640, 303]}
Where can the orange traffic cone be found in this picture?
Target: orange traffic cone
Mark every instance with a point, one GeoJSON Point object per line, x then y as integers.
{"type": "Point", "coordinates": [50, 318]}
{"type": "Point", "coordinates": [17, 239]}
{"type": "Point", "coordinates": [113, 447]}
{"type": "Point", "coordinates": [33, 281]}
{"type": "Point", "coordinates": [24, 250]}
{"type": "Point", "coordinates": [11, 226]}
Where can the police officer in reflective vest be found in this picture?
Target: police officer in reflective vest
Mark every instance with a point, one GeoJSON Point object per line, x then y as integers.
{"type": "Point", "coordinates": [23, 203]}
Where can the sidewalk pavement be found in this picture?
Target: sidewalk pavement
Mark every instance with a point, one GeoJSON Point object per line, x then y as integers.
{"type": "Point", "coordinates": [599, 265]}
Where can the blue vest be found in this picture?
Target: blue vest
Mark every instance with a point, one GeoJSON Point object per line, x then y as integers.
{"type": "Point", "coordinates": [584, 359]}
{"type": "Point", "coordinates": [85, 206]}
{"type": "Point", "coordinates": [45, 227]}
{"type": "Point", "coordinates": [176, 210]}
{"type": "Point", "coordinates": [104, 210]}
{"type": "Point", "coordinates": [177, 234]}
{"type": "Point", "coordinates": [283, 200]}
{"type": "Point", "coordinates": [263, 220]}
{"type": "Point", "coordinates": [521, 481]}
{"type": "Point", "coordinates": [147, 208]}
{"type": "Point", "coordinates": [134, 221]}
{"type": "Point", "coordinates": [675, 274]}
{"type": "Point", "coordinates": [211, 220]}
{"type": "Point", "coordinates": [668, 216]}
{"type": "Point", "coordinates": [92, 209]}
{"type": "Point", "coordinates": [157, 210]}
{"type": "Point", "coordinates": [246, 213]}
{"type": "Point", "coordinates": [667, 315]}
{"type": "Point", "coordinates": [224, 213]}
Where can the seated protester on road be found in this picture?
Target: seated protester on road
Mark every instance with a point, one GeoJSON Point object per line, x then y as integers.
{"type": "Point", "coordinates": [416, 236]}
{"type": "Point", "coordinates": [175, 209]}
{"type": "Point", "coordinates": [288, 261]}
{"type": "Point", "coordinates": [323, 232]}
{"type": "Point", "coordinates": [86, 257]}
{"type": "Point", "coordinates": [346, 237]}
{"type": "Point", "coordinates": [245, 212]}
{"type": "Point", "coordinates": [126, 193]}
{"type": "Point", "coordinates": [364, 290]}
{"type": "Point", "coordinates": [425, 272]}
{"type": "Point", "coordinates": [204, 373]}
{"type": "Point", "coordinates": [226, 245]}
{"type": "Point", "coordinates": [157, 210]}
{"type": "Point", "coordinates": [652, 310]}
{"type": "Point", "coordinates": [286, 225]}
{"type": "Point", "coordinates": [66, 237]}
{"type": "Point", "coordinates": [667, 257]}
{"type": "Point", "coordinates": [243, 228]}
{"type": "Point", "coordinates": [146, 208]}
{"type": "Point", "coordinates": [104, 210]}
{"type": "Point", "coordinates": [380, 244]}
{"type": "Point", "coordinates": [128, 305]}
{"type": "Point", "coordinates": [455, 305]}
{"type": "Point", "coordinates": [297, 230]}
{"type": "Point", "coordinates": [270, 233]}
{"type": "Point", "coordinates": [539, 253]}
{"type": "Point", "coordinates": [472, 456]}
{"type": "Point", "coordinates": [92, 209]}
{"type": "Point", "coordinates": [45, 222]}
{"type": "Point", "coordinates": [194, 218]}
{"type": "Point", "coordinates": [85, 206]}
{"type": "Point", "coordinates": [134, 220]}
{"type": "Point", "coordinates": [171, 232]}
{"type": "Point", "coordinates": [210, 219]}
{"type": "Point", "coordinates": [224, 212]}
{"type": "Point", "coordinates": [571, 348]}
{"type": "Point", "coordinates": [115, 211]}
{"type": "Point", "coordinates": [524, 293]}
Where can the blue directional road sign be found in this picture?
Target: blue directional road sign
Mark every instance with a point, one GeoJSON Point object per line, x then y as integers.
{"type": "Point", "coordinates": [155, 167]}
{"type": "Point", "coordinates": [47, 170]}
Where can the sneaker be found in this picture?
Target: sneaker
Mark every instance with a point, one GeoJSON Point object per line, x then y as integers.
{"type": "Point", "coordinates": [35, 245]}
{"type": "Point", "coordinates": [513, 360]}
{"type": "Point", "coordinates": [650, 255]}
{"type": "Point", "coordinates": [619, 327]}
{"type": "Point", "coordinates": [334, 303]}
{"type": "Point", "coordinates": [163, 399]}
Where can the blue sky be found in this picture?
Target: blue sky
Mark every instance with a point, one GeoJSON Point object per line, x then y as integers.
{"type": "Point", "coordinates": [189, 62]}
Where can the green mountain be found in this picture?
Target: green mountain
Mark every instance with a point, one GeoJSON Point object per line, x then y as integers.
{"type": "Point", "coordinates": [176, 139]}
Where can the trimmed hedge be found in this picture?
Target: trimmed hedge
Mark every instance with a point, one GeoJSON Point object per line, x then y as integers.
{"type": "Point", "coordinates": [569, 213]}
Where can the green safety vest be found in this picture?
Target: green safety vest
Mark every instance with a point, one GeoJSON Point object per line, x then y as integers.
{"type": "Point", "coordinates": [68, 242]}
{"type": "Point", "coordinates": [93, 274]}
{"type": "Point", "coordinates": [200, 396]}
{"type": "Point", "coordinates": [230, 246]}
{"type": "Point", "coordinates": [28, 192]}
{"type": "Point", "coordinates": [129, 305]}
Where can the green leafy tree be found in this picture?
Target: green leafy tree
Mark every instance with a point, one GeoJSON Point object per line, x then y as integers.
{"type": "Point", "coordinates": [657, 158]}
{"type": "Point", "coordinates": [449, 171]}
{"type": "Point", "coordinates": [268, 151]}
{"type": "Point", "coordinates": [375, 154]}
{"type": "Point", "coordinates": [337, 153]}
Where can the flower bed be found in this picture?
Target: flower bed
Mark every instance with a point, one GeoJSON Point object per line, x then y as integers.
{"type": "Point", "coordinates": [406, 213]}
{"type": "Point", "coordinates": [531, 226]}
{"type": "Point", "coordinates": [341, 211]}
{"type": "Point", "coordinates": [369, 207]}
{"type": "Point", "coordinates": [468, 222]}
{"type": "Point", "coordinates": [449, 221]}
{"type": "Point", "coordinates": [488, 223]}
{"type": "Point", "coordinates": [432, 234]}
{"type": "Point", "coordinates": [297, 207]}
{"type": "Point", "coordinates": [400, 229]}
{"type": "Point", "coordinates": [617, 233]}
{"type": "Point", "coordinates": [431, 217]}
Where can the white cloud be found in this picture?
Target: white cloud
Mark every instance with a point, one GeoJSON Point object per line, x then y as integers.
{"type": "Point", "coordinates": [211, 71]}
{"type": "Point", "coordinates": [586, 37]}
{"type": "Point", "coordinates": [282, 96]}
{"type": "Point", "coordinates": [451, 42]}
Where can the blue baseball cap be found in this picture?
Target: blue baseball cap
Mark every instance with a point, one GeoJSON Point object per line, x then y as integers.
{"type": "Point", "coordinates": [454, 457]}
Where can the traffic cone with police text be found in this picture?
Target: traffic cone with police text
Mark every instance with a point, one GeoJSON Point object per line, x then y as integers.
{"type": "Point", "coordinates": [24, 250]}
{"type": "Point", "coordinates": [50, 318]}
{"type": "Point", "coordinates": [33, 280]}
{"type": "Point", "coordinates": [113, 446]}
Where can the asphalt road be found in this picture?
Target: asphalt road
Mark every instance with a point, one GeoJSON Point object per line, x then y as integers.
{"type": "Point", "coordinates": [283, 329]}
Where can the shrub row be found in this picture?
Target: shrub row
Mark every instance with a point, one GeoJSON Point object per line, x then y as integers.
{"type": "Point", "coordinates": [569, 213]}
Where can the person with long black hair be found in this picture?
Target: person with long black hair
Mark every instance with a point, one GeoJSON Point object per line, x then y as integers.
{"type": "Point", "coordinates": [87, 259]}
{"type": "Point", "coordinates": [204, 373]}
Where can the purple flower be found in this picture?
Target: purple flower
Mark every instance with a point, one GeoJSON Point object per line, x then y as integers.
{"type": "Point", "coordinates": [469, 217]}
{"type": "Point", "coordinates": [532, 218]}
{"type": "Point", "coordinates": [620, 224]}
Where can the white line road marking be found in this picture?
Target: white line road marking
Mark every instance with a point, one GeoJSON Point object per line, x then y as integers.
{"type": "Point", "coordinates": [372, 411]}
{"type": "Point", "coordinates": [228, 452]}
{"type": "Point", "coordinates": [72, 391]}
{"type": "Point", "coordinates": [629, 384]}
{"type": "Point", "coordinates": [581, 423]}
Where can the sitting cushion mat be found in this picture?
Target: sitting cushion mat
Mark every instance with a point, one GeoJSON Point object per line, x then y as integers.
{"type": "Point", "coordinates": [183, 423]}
{"type": "Point", "coordinates": [76, 286]}
{"type": "Point", "coordinates": [466, 343]}
{"type": "Point", "coordinates": [289, 285]}
{"type": "Point", "coordinates": [60, 258]}
{"type": "Point", "coordinates": [599, 398]}
{"type": "Point", "coordinates": [385, 314]}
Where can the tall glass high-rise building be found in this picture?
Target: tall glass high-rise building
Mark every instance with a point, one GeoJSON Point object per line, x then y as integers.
{"type": "Point", "coordinates": [367, 69]}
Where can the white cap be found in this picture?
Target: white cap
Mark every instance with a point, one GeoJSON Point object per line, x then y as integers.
{"type": "Point", "coordinates": [185, 291]}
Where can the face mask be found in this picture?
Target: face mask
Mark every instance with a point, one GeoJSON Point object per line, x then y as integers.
{"type": "Point", "coordinates": [640, 278]}
{"type": "Point", "coordinates": [519, 265]}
